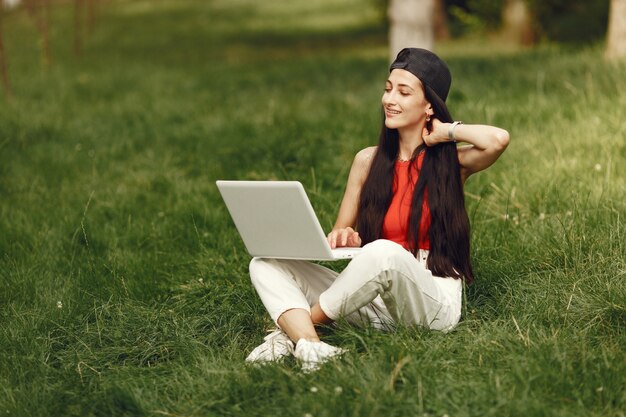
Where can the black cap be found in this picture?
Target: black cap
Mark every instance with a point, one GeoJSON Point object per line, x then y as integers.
{"type": "Point", "coordinates": [428, 67]}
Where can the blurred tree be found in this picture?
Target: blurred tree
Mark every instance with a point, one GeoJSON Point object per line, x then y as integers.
{"type": "Point", "coordinates": [574, 21]}
{"type": "Point", "coordinates": [529, 21]}
{"type": "Point", "coordinates": [91, 15]}
{"type": "Point", "coordinates": [517, 23]}
{"type": "Point", "coordinates": [39, 11]}
{"type": "Point", "coordinates": [441, 21]}
{"type": "Point", "coordinates": [78, 27]}
{"type": "Point", "coordinates": [85, 15]}
{"type": "Point", "coordinates": [475, 16]}
{"type": "Point", "coordinates": [10, 4]}
{"type": "Point", "coordinates": [411, 24]}
{"type": "Point", "coordinates": [3, 60]}
{"type": "Point", "coordinates": [616, 37]}
{"type": "Point", "coordinates": [490, 12]}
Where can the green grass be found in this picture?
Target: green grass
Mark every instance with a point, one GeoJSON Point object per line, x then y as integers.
{"type": "Point", "coordinates": [108, 205]}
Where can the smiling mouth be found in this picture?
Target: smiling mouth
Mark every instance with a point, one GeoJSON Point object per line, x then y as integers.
{"type": "Point", "coordinates": [392, 112]}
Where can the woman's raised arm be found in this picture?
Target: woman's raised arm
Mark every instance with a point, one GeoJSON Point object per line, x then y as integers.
{"type": "Point", "coordinates": [486, 144]}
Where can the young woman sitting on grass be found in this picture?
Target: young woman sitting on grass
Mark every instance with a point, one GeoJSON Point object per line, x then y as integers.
{"type": "Point", "coordinates": [405, 198]}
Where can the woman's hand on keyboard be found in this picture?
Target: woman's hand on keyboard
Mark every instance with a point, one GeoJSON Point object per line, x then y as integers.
{"type": "Point", "coordinates": [344, 237]}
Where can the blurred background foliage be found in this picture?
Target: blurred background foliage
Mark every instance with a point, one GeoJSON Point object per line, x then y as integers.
{"type": "Point", "coordinates": [523, 22]}
{"type": "Point", "coordinates": [565, 21]}
{"type": "Point", "coordinates": [570, 20]}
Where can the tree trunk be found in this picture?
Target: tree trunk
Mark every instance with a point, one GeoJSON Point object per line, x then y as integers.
{"type": "Point", "coordinates": [616, 36]}
{"type": "Point", "coordinates": [46, 55]}
{"type": "Point", "coordinates": [91, 15]}
{"type": "Point", "coordinates": [441, 21]}
{"type": "Point", "coordinates": [10, 4]}
{"type": "Point", "coordinates": [516, 22]}
{"type": "Point", "coordinates": [78, 27]}
{"type": "Point", "coordinates": [3, 60]}
{"type": "Point", "coordinates": [411, 24]}
{"type": "Point", "coordinates": [39, 11]}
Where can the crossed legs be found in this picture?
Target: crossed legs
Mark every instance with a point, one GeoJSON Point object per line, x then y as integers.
{"type": "Point", "coordinates": [382, 285]}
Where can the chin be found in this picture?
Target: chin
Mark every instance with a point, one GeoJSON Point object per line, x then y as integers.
{"type": "Point", "coordinates": [390, 124]}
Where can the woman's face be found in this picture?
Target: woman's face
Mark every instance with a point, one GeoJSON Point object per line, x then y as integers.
{"type": "Point", "coordinates": [404, 101]}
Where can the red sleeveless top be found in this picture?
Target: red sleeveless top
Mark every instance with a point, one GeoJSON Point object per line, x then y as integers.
{"type": "Point", "coordinates": [396, 221]}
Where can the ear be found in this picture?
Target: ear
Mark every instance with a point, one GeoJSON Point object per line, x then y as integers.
{"type": "Point", "coordinates": [429, 109]}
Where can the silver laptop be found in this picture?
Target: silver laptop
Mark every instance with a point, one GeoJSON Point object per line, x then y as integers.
{"type": "Point", "coordinates": [276, 220]}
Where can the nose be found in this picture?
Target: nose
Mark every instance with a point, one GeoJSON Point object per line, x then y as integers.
{"type": "Point", "coordinates": [388, 98]}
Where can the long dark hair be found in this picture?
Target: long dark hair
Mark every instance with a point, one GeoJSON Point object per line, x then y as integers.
{"type": "Point", "coordinates": [440, 175]}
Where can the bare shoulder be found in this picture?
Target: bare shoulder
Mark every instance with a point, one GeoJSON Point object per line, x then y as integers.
{"type": "Point", "coordinates": [361, 165]}
{"type": "Point", "coordinates": [363, 158]}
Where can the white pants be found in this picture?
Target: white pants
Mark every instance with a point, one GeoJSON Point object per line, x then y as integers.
{"type": "Point", "coordinates": [383, 285]}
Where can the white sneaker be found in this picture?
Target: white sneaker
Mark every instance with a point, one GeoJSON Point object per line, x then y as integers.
{"type": "Point", "coordinates": [277, 346]}
{"type": "Point", "coordinates": [314, 354]}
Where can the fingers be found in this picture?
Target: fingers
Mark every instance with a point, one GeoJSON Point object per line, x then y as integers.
{"type": "Point", "coordinates": [437, 132]}
{"type": "Point", "coordinates": [355, 240]}
{"type": "Point", "coordinates": [345, 234]}
{"type": "Point", "coordinates": [336, 238]}
{"type": "Point", "coordinates": [332, 239]}
{"type": "Point", "coordinates": [343, 237]}
{"type": "Point", "coordinates": [426, 137]}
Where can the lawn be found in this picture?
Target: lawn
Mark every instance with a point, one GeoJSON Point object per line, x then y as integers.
{"type": "Point", "coordinates": [123, 283]}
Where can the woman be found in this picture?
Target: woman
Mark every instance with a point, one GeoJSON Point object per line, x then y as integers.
{"type": "Point", "coordinates": [405, 198]}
